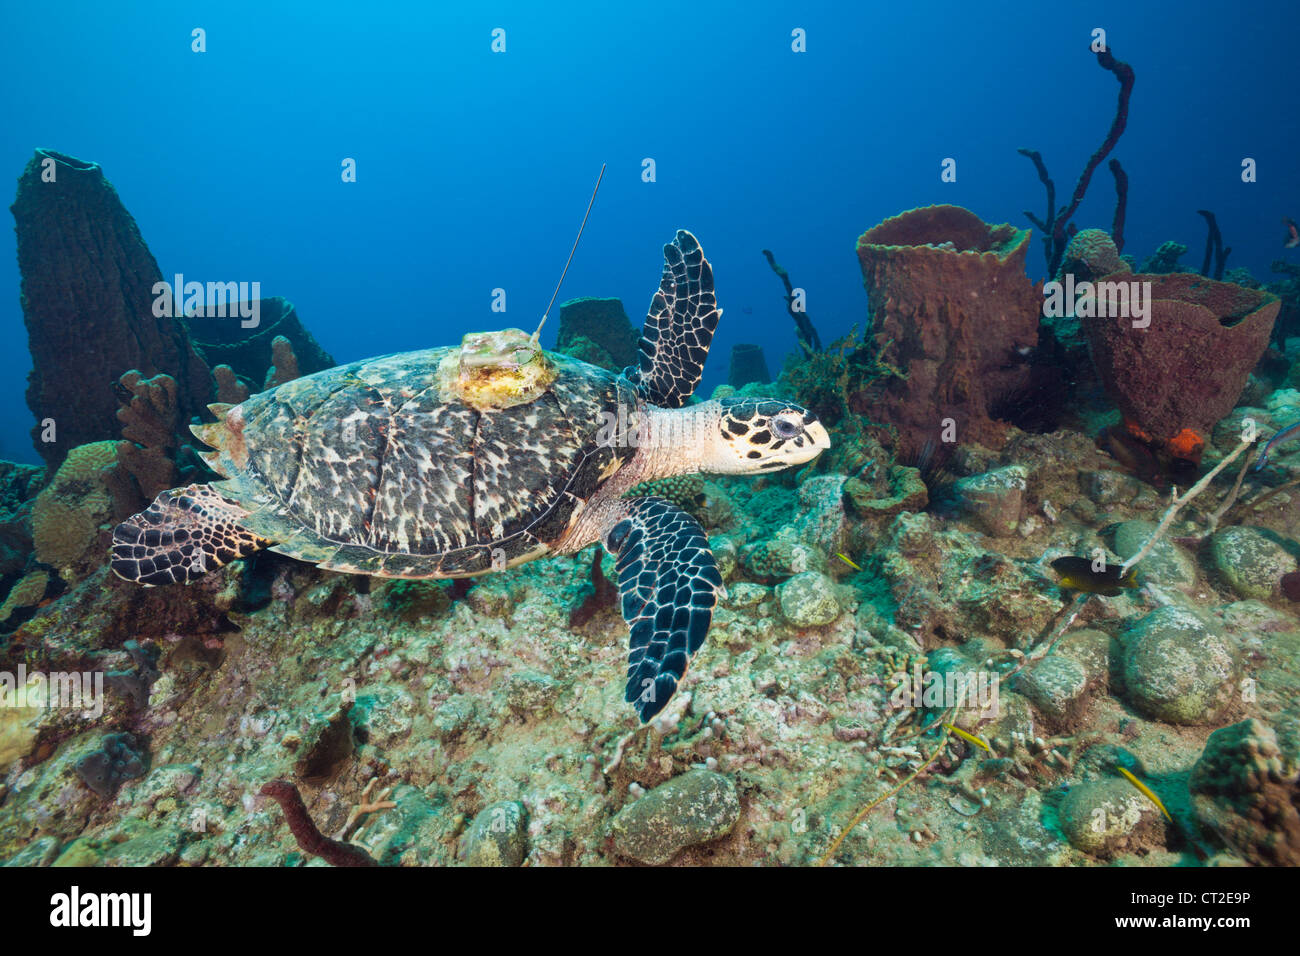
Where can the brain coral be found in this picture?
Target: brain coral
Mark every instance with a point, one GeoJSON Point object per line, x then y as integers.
{"type": "Point", "coordinates": [66, 516]}
{"type": "Point", "coordinates": [1090, 255]}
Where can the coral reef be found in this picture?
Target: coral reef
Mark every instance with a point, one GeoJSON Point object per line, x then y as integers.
{"type": "Point", "coordinates": [230, 390]}
{"type": "Point", "coordinates": [1288, 290]}
{"type": "Point", "coordinates": [150, 418]}
{"type": "Point", "coordinates": [896, 673]}
{"type": "Point", "coordinates": [19, 485]}
{"type": "Point", "coordinates": [1213, 245]}
{"type": "Point", "coordinates": [951, 304]}
{"type": "Point", "coordinates": [310, 839]}
{"type": "Point", "coordinates": [1187, 369]}
{"type": "Point", "coordinates": [88, 303]}
{"type": "Point", "coordinates": [1090, 255]}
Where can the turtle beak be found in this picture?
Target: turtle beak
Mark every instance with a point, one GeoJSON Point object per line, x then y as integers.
{"type": "Point", "coordinates": [820, 439]}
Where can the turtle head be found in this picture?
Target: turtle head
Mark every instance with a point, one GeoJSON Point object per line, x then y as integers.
{"type": "Point", "coordinates": [763, 434]}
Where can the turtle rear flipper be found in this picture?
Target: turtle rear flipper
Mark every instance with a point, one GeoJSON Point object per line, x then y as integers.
{"type": "Point", "coordinates": [679, 327]}
{"type": "Point", "coordinates": [669, 584]}
{"type": "Point", "coordinates": [184, 534]}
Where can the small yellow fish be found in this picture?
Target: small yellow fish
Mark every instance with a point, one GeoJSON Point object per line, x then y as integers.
{"type": "Point", "coordinates": [970, 737]}
{"type": "Point", "coordinates": [1147, 792]}
{"type": "Point", "coordinates": [847, 561]}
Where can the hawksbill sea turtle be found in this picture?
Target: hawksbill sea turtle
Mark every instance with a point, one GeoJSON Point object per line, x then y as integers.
{"type": "Point", "coordinates": [454, 462]}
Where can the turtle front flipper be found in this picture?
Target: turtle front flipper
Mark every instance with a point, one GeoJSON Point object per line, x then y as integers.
{"type": "Point", "coordinates": [184, 534]}
{"type": "Point", "coordinates": [669, 584]}
{"type": "Point", "coordinates": [679, 327]}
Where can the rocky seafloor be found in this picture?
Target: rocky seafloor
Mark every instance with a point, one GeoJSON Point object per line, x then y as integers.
{"type": "Point", "coordinates": [432, 723]}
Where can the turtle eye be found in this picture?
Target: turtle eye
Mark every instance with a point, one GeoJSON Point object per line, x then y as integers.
{"type": "Point", "coordinates": [785, 426]}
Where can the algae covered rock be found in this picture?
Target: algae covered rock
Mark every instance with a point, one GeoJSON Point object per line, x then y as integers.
{"type": "Point", "coordinates": [1165, 564]}
{"type": "Point", "coordinates": [1109, 817]}
{"type": "Point", "coordinates": [498, 836]}
{"type": "Point", "coordinates": [1057, 685]}
{"type": "Point", "coordinates": [19, 727]}
{"type": "Point", "coordinates": [994, 499]}
{"type": "Point", "coordinates": [696, 807]}
{"type": "Point", "coordinates": [1179, 668]}
{"type": "Point", "coordinates": [1250, 560]}
{"type": "Point", "coordinates": [26, 593]}
{"type": "Point", "coordinates": [1091, 649]}
{"type": "Point", "coordinates": [1246, 790]}
{"type": "Point", "coordinates": [907, 492]}
{"type": "Point", "coordinates": [530, 693]}
{"type": "Point", "coordinates": [808, 599]}
{"type": "Point", "coordinates": [120, 757]}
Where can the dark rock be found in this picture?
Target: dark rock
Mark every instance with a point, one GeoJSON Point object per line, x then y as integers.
{"type": "Point", "coordinates": [1108, 817]}
{"type": "Point", "coordinates": [136, 684]}
{"type": "Point", "coordinates": [1179, 667]}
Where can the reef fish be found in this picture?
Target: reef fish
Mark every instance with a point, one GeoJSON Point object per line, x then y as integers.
{"type": "Point", "coordinates": [1292, 234]}
{"type": "Point", "coordinates": [1078, 574]}
{"type": "Point", "coordinates": [1286, 434]}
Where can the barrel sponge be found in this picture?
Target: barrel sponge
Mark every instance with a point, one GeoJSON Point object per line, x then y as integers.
{"type": "Point", "coordinates": [67, 514]}
{"type": "Point", "coordinates": [952, 309]}
{"type": "Point", "coordinates": [1187, 364]}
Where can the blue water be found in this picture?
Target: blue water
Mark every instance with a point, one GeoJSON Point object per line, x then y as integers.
{"type": "Point", "coordinates": [474, 167]}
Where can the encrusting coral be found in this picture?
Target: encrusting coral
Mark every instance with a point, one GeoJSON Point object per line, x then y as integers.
{"type": "Point", "coordinates": [70, 512]}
